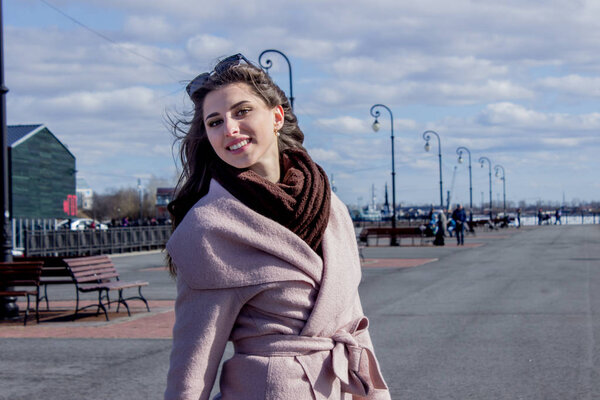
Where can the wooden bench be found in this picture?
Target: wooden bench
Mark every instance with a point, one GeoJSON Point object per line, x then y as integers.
{"type": "Point", "coordinates": [15, 277]}
{"type": "Point", "coordinates": [404, 232]}
{"type": "Point", "coordinates": [54, 272]}
{"type": "Point", "coordinates": [98, 274]}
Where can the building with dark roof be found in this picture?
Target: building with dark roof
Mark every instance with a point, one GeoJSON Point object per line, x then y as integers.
{"type": "Point", "coordinates": [41, 172]}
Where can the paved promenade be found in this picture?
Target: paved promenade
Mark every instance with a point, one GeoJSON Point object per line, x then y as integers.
{"type": "Point", "coordinates": [513, 314]}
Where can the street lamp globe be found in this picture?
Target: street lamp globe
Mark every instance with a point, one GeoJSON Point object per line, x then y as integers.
{"type": "Point", "coordinates": [376, 126]}
{"type": "Point", "coordinates": [460, 159]}
{"type": "Point", "coordinates": [427, 146]}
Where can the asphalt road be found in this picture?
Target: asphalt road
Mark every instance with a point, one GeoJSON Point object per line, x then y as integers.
{"type": "Point", "coordinates": [516, 318]}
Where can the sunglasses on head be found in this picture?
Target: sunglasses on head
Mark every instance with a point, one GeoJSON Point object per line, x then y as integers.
{"type": "Point", "coordinates": [222, 66]}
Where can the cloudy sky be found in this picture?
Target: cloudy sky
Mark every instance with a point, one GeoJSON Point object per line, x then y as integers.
{"type": "Point", "coordinates": [515, 81]}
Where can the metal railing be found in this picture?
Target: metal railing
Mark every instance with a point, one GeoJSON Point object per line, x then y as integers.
{"type": "Point", "coordinates": [95, 241]}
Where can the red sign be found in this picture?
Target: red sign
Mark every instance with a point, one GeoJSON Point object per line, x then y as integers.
{"type": "Point", "coordinates": [70, 205]}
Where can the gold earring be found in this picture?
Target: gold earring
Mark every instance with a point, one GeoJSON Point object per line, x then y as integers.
{"type": "Point", "coordinates": [276, 132]}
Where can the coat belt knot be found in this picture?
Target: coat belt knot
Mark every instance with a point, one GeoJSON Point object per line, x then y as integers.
{"type": "Point", "coordinates": [353, 364]}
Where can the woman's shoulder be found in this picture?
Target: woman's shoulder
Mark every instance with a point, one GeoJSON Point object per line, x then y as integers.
{"type": "Point", "coordinates": [222, 243]}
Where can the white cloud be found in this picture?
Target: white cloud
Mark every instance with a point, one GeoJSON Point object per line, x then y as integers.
{"type": "Point", "coordinates": [324, 155]}
{"type": "Point", "coordinates": [149, 27]}
{"type": "Point", "coordinates": [206, 47]}
{"type": "Point", "coordinates": [562, 142]}
{"type": "Point", "coordinates": [575, 85]}
{"type": "Point", "coordinates": [345, 125]}
{"type": "Point", "coordinates": [514, 115]}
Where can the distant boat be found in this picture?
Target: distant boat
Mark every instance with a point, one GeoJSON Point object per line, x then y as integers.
{"type": "Point", "coordinates": [370, 214]}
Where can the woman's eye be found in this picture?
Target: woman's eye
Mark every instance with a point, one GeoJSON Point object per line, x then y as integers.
{"type": "Point", "coordinates": [214, 122]}
{"type": "Point", "coordinates": [243, 111]}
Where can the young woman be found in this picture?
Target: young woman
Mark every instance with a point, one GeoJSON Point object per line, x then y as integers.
{"type": "Point", "coordinates": [265, 255]}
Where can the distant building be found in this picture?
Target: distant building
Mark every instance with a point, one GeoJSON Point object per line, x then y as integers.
{"type": "Point", "coordinates": [163, 198]}
{"type": "Point", "coordinates": [41, 173]}
{"type": "Point", "coordinates": [85, 195]}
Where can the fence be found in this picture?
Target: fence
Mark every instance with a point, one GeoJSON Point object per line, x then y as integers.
{"type": "Point", "coordinates": [64, 242]}
{"type": "Point", "coordinates": [21, 225]}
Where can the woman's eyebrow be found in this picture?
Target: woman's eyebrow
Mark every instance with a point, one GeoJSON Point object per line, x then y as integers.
{"type": "Point", "coordinates": [239, 103]}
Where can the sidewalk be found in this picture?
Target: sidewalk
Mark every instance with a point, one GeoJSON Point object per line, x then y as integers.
{"type": "Point", "coordinates": [158, 323]}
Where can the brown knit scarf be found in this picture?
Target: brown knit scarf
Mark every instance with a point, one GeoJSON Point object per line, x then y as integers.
{"type": "Point", "coordinates": [300, 201]}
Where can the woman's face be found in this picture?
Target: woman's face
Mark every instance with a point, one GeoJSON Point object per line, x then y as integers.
{"type": "Point", "coordinates": [241, 129]}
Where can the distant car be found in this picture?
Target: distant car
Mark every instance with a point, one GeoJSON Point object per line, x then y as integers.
{"type": "Point", "coordinates": [80, 224]}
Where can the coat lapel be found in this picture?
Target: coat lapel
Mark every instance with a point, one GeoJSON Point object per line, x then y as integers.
{"type": "Point", "coordinates": [341, 275]}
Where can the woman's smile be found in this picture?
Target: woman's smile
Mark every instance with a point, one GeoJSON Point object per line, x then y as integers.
{"type": "Point", "coordinates": [238, 145]}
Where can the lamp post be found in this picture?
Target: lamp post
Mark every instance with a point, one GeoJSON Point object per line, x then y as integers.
{"type": "Point", "coordinates": [376, 125]}
{"type": "Point", "coordinates": [481, 161]}
{"type": "Point", "coordinates": [497, 168]}
{"type": "Point", "coordinates": [268, 64]}
{"type": "Point", "coordinates": [141, 195]}
{"type": "Point", "coordinates": [459, 151]}
{"type": "Point", "coordinates": [427, 138]}
{"type": "Point", "coordinates": [8, 305]}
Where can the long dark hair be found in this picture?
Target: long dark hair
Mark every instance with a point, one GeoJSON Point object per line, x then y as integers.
{"type": "Point", "coordinates": [196, 153]}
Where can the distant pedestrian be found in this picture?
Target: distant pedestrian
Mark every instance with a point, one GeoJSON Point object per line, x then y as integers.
{"type": "Point", "coordinates": [439, 233]}
{"type": "Point", "coordinates": [460, 216]}
{"type": "Point", "coordinates": [443, 222]}
{"type": "Point", "coordinates": [557, 216]}
{"type": "Point", "coordinates": [470, 222]}
{"type": "Point", "coordinates": [518, 217]}
{"type": "Point", "coordinates": [540, 216]}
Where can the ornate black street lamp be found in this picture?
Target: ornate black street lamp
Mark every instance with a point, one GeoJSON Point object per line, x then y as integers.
{"type": "Point", "coordinates": [376, 125]}
{"type": "Point", "coordinates": [497, 168]}
{"type": "Point", "coordinates": [268, 64]}
{"type": "Point", "coordinates": [427, 138]}
{"type": "Point", "coordinates": [481, 161]}
{"type": "Point", "coordinates": [8, 305]}
{"type": "Point", "coordinates": [459, 151]}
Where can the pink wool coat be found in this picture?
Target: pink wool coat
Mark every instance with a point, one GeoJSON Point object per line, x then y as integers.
{"type": "Point", "coordinates": [295, 319]}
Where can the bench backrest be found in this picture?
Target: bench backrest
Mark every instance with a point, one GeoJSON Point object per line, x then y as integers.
{"type": "Point", "coordinates": [20, 273]}
{"type": "Point", "coordinates": [55, 269]}
{"type": "Point", "coordinates": [410, 230]}
{"type": "Point", "coordinates": [92, 269]}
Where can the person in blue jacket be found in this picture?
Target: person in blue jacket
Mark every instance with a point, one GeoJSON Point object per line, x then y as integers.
{"type": "Point", "coordinates": [460, 216]}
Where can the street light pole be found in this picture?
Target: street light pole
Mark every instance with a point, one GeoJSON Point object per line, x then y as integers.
{"type": "Point", "coordinates": [459, 151]}
{"type": "Point", "coordinates": [497, 168]}
{"type": "Point", "coordinates": [8, 305]}
{"type": "Point", "coordinates": [376, 125]}
{"type": "Point", "coordinates": [268, 64]}
{"type": "Point", "coordinates": [141, 196]}
{"type": "Point", "coordinates": [427, 137]}
{"type": "Point", "coordinates": [481, 161]}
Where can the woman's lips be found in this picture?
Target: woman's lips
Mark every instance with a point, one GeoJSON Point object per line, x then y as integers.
{"type": "Point", "coordinates": [238, 146]}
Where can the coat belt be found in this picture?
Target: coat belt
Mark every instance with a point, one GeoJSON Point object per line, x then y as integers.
{"type": "Point", "coordinates": [352, 363]}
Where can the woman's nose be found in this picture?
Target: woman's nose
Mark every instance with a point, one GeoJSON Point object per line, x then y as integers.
{"type": "Point", "coordinates": [231, 126]}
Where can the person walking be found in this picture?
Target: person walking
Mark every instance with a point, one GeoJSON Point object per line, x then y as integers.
{"type": "Point", "coordinates": [518, 217]}
{"type": "Point", "coordinates": [460, 216]}
{"type": "Point", "coordinates": [557, 216]}
{"type": "Point", "coordinates": [264, 255]}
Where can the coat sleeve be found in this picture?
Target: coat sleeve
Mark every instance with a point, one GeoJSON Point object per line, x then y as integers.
{"type": "Point", "coordinates": [203, 322]}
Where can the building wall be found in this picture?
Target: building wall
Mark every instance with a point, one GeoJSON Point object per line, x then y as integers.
{"type": "Point", "coordinates": [42, 178]}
